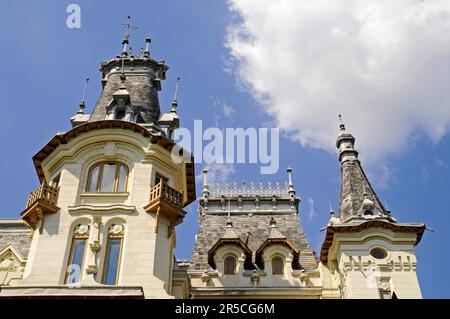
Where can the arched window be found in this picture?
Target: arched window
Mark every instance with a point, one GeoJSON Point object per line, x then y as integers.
{"type": "Point", "coordinates": [277, 266]}
{"type": "Point", "coordinates": [107, 177]}
{"type": "Point", "coordinates": [113, 254]}
{"type": "Point", "coordinates": [77, 254]}
{"type": "Point", "coordinates": [229, 265]}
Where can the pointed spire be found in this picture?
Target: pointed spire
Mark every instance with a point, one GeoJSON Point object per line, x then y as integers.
{"type": "Point", "coordinates": [175, 97]}
{"type": "Point", "coordinates": [83, 102]}
{"type": "Point", "coordinates": [357, 194]}
{"type": "Point", "coordinates": [147, 47]}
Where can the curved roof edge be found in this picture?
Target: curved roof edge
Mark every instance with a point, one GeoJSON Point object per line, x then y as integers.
{"type": "Point", "coordinates": [64, 138]}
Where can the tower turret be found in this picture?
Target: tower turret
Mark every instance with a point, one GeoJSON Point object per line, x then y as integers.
{"type": "Point", "coordinates": [366, 252]}
{"type": "Point", "coordinates": [357, 194]}
{"type": "Point", "coordinates": [139, 75]}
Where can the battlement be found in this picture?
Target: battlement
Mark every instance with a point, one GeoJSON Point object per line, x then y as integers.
{"type": "Point", "coordinates": [261, 189]}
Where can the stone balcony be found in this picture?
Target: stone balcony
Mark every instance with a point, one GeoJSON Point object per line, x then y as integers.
{"type": "Point", "coordinates": [40, 202]}
{"type": "Point", "coordinates": [167, 201]}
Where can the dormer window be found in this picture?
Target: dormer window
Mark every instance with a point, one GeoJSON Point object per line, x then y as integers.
{"type": "Point", "coordinates": [229, 266]}
{"type": "Point", "coordinates": [120, 114]}
{"type": "Point", "coordinates": [107, 177]}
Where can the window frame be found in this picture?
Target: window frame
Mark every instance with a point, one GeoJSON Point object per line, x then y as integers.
{"type": "Point", "coordinates": [107, 255]}
{"type": "Point", "coordinates": [229, 257]}
{"type": "Point", "coordinates": [280, 259]}
{"type": "Point", "coordinates": [75, 237]}
{"type": "Point", "coordinates": [161, 178]}
{"type": "Point", "coordinates": [378, 250]}
{"type": "Point", "coordinates": [100, 177]}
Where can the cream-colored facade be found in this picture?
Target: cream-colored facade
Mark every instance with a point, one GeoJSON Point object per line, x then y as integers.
{"type": "Point", "coordinates": [114, 186]}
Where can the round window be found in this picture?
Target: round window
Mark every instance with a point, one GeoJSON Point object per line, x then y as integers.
{"type": "Point", "coordinates": [378, 253]}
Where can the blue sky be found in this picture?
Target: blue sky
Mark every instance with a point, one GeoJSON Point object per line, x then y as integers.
{"type": "Point", "coordinates": [43, 65]}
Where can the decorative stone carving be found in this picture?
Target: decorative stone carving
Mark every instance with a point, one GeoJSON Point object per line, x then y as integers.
{"type": "Point", "coordinates": [116, 230]}
{"type": "Point", "coordinates": [97, 221]}
{"type": "Point", "coordinates": [81, 230]}
{"type": "Point", "coordinates": [255, 278]}
{"type": "Point", "coordinates": [205, 277]}
{"type": "Point", "coordinates": [8, 264]}
{"type": "Point", "coordinates": [95, 246]}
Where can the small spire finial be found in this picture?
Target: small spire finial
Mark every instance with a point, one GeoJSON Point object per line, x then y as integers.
{"type": "Point", "coordinates": [341, 125]}
{"type": "Point", "coordinates": [290, 184]}
{"type": "Point", "coordinates": [273, 223]}
{"type": "Point", "coordinates": [83, 103]}
{"type": "Point", "coordinates": [388, 210]}
{"type": "Point", "coordinates": [175, 97]}
{"type": "Point", "coordinates": [331, 210]}
{"type": "Point", "coordinates": [127, 26]}
{"type": "Point", "coordinates": [147, 47]}
{"type": "Point", "coordinates": [205, 183]}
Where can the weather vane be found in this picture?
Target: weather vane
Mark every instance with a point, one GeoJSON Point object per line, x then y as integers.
{"type": "Point", "coordinates": [128, 26]}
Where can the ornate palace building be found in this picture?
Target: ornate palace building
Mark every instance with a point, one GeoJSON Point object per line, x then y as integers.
{"type": "Point", "coordinates": [102, 222]}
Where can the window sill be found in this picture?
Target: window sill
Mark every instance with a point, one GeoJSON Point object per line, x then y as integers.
{"type": "Point", "coordinates": [104, 194]}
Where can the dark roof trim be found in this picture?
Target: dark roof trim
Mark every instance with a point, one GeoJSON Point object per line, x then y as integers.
{"type": "Point", "coordinates": [277, 241]}
{"type": "Point", "coordinates": [65, 138]}
{"type": "Point", "coordinates": [227, 241]}
{"type": "Point", "coordinates": [399, 228]}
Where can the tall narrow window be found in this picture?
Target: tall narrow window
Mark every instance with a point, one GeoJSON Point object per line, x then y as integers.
{"type": "Point", "coordinates": [107, 177]}
{"type": "Point", "coordinates": [277, 266]}
{"type": "Point", "coordinates": [229, 265]}
{"type": "Point", "coordinates": [77, 254]}
{"type": "Point", "coordinates": [113, 255]}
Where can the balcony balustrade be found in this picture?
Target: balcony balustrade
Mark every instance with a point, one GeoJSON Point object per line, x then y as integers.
{"type": "Point", "coordinates": [167, 201]}
{"type": "Point", "coordinates": [40, 202]}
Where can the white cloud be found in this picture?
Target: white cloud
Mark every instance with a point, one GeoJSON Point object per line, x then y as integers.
{"type": "Point", "coordinates": [217, 173]}
{"type": "Point", "coordinates": [384, 64]}
{"type": "Point", "coordinates": [222, 111]}
{"type": "Point", "coordinates": [228, 111]}
{"type": "Point", "coordinates": [311, 209]}
{"type": "Point", "coordinates": [382, 176]}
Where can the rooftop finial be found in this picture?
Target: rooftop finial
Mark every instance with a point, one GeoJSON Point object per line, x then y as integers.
{"type": "Point", "coordinates": [175, 97]}
{"type": "Point", "coordinates": [273, 223]}
{"type": "Point", "coordinates": [205, 183]}
{"type": "Point", "coordinates": [82, 103]}
{"type": "Point", "coordinates": [290, 184]}
{"type": "Point", "coordinates": [127, 26]}
{"type": "Point", "coordinates": [388, 210]}
{"type": "Point", "coordinates": [147, 47]}
{"type": "Point", "coordinates": [331, 210]}
{"type": "Point", "coordinates": [341, 125]}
